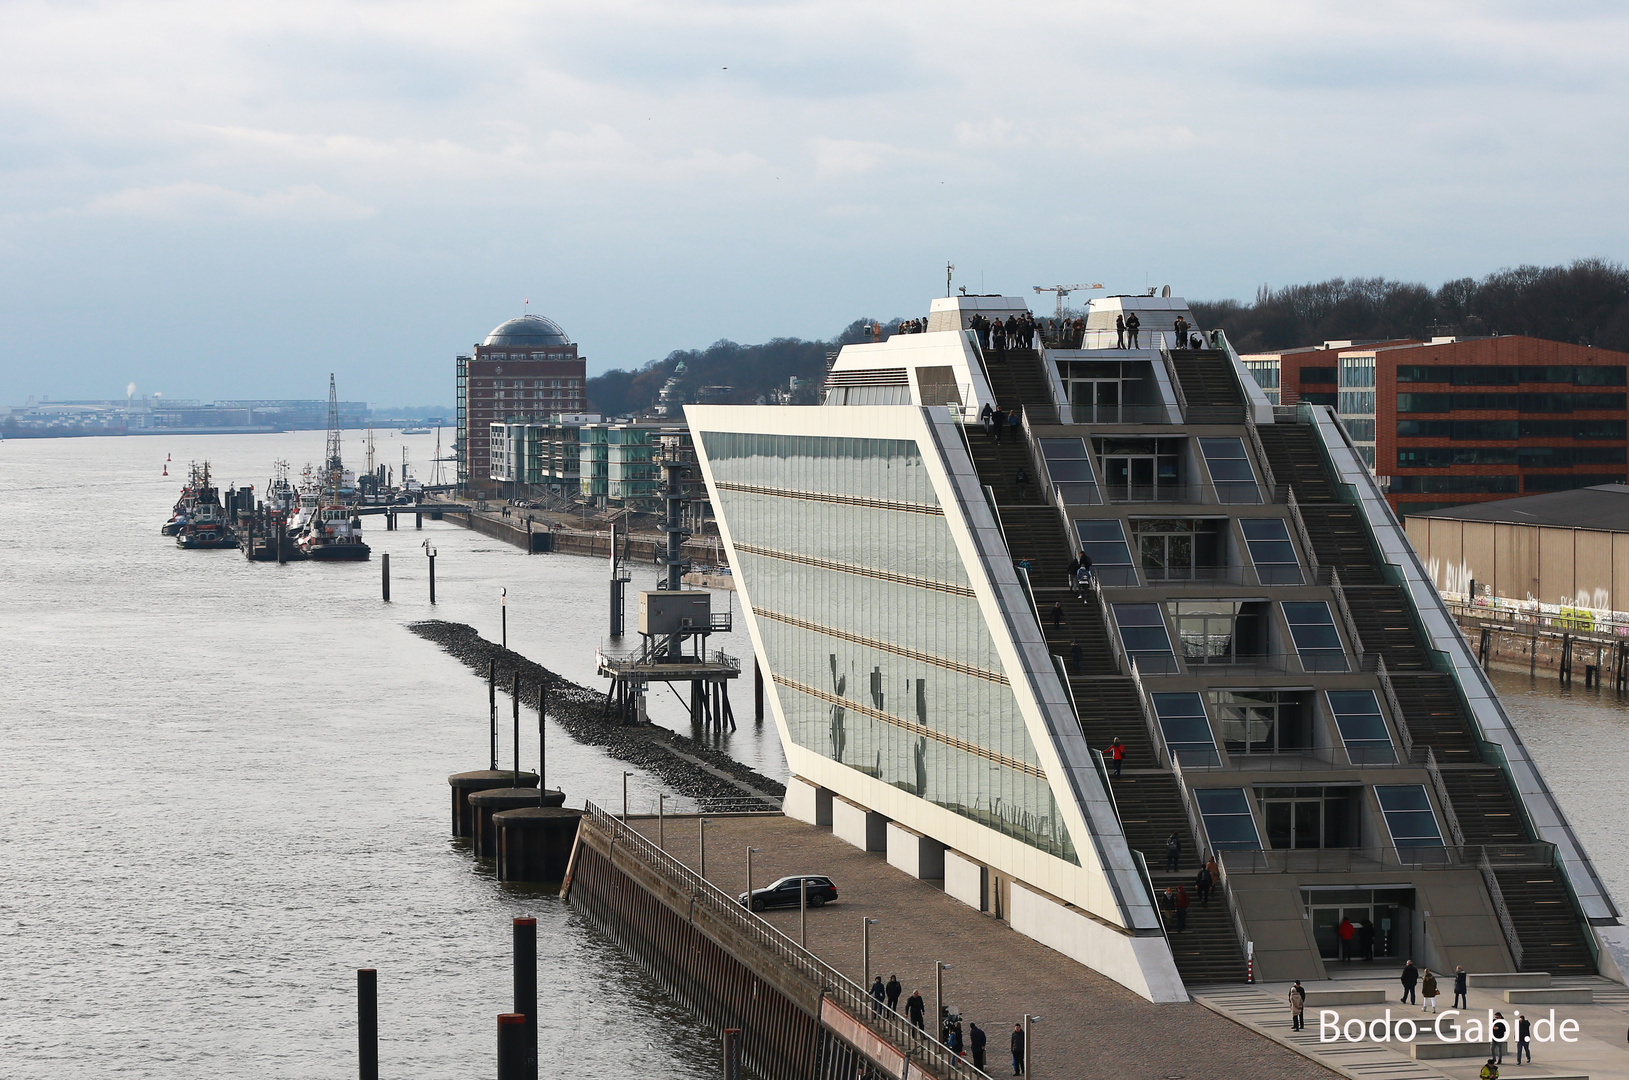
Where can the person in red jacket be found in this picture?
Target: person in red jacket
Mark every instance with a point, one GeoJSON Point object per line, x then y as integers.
{"type": "Point", "coordinates": [1182, 902]}
{"type": "Point", "coordinates": [1117, 754]}
{"type": "Point", "coordinates": [1347, 932]}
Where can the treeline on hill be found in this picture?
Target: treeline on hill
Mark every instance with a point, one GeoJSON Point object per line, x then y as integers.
{"type": "Point", "coordinates": [1585, 303]}
{"type": "Point", "coordinates": [752, 372]}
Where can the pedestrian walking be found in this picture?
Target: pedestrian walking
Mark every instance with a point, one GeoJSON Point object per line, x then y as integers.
{"type": "Point", "coordinates": [878, 993]}
{"type": "Point", "coordinates": [1346, 932]}
{"type": "Point", "coordinates": [1202, 885]}
{"type": "Point", "coordinates": [1022, 479]}
{"type": "Point", "coordinates": [1119, 331]}
{"type": "Point", "coordinates": [894, 990]}
{"type": "Point", "coordinates": [1524, 1039]}
{"type": "Point", "coordinates": [1057, 614]}
{"type": "Point", "coordinates": [914, 1008]}
{"type": "Point", "coordinates": [1183, 901]}
{"type": "Point", "coordinates": [1428, 990]}
{"type": "Point", "coordinates": [1180, 332]}
{"type": "Point", "coordinates": [984, 417]}
{"type": "Point", "coordinates": [998, 420]}
{"type": "Point", "coordinates": [1117, 754]}
{"type": "Point", "coordinates": [1411, 977]}
{"type": "Point", "coordinates": [1498, 1032]}
{"type": "Point", "coordinates": [1013, 420]}
{"type": "Point", "coordinates": [1074, 655]}
{"type": "Point", "coordinates": [1173, 853]}
{"type": "Point", "coordinates": [1069, 571]}
{"type": "Point", "coordinates": [1462, 998]}
{"type": "Point", "coordinates": [1298, 1004]}
{"type": "Point", "coordinates": [1215, 871]}
{"type": "Point", "coordinates": [1085, 572]}
{"type": "Point", "coordinates": [1017, 1043]}
{"type": "Point", "coordinates": [975, 1043]}
{"type": "Point", "coordinates": [955, 1039]}
{"type": "Point", "coordinates": [1134, 327]}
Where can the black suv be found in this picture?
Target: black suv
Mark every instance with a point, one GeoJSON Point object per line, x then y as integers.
{"type": "Point", "coordinates": [785, 892]}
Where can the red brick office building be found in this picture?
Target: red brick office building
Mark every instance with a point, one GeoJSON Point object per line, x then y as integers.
{"type": "Point", "coordinates": [526, 369]}
{"type": "Point", "coordinates": [1449, 422]}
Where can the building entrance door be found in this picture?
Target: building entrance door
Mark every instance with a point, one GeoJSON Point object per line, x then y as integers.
{"type": "Point", "coordinates": [1380, 925]}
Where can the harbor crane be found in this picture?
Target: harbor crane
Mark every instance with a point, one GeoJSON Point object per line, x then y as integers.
{"type": "Point", "coordinates": [1063, 291]}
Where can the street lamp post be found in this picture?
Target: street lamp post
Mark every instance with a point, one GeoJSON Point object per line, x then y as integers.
{"type": "Point", "coordinates": [503, 606]}
{"type": "Point", "coordinates": [750, 852]}
{"type": "Point", "coordinates": [803, 912]}
{"type": "Point", "coordinates": [865, 952]}
{"type": "Point", "coordinates": [701, 845]}
{"type": "Point", "coordinates": [1028, 1020]}
{"type": "Point", "coordinates": [939, 969]}
{"type": "Point", "coordinates": [661, 820]}
{"type": "Point", "coordinates": [625, 776]}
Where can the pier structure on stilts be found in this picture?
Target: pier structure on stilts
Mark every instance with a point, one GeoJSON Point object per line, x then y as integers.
{"type": "Point", "coordinates": [674, 623]}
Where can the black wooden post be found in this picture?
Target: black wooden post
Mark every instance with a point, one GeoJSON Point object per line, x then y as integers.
{"type": "Point", "coordinates": [492, 708]}
{"type": "Point", "coordinates": [367, 1023]}
{"type": "Point", "coordinates": [384, 575]}
{"type": "Point", "coordinates": [526, 986]}
{"type": "Point", "coordinates": [511, 1046]}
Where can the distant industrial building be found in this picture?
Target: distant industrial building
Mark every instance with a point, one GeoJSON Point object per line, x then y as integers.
{"type": "Point", "coordinates": [1448, 422]}
{"type": "Point", "coordinates": [149, 415]}
{"type": "Point", "coordinates": [1561, 550]}
{"type": "Point", "coordinates": [525, 370]}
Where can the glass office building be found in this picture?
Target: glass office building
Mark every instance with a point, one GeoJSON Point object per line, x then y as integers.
{"type": "Point", "coordinates": [871, 627]}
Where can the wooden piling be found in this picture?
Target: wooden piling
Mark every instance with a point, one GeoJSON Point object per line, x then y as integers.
{"type": "Point", "coordinates": [511, 1046]}
{"type": "Point", "coordinates": [367, 1023]}
{"type": "Point", "coordinates": [384, 575]}
{"type": "Point", "coordinates": [526, 986]}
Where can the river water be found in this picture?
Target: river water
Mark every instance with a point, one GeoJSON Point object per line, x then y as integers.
{"type": "Point", "coordinates": [225, 790]}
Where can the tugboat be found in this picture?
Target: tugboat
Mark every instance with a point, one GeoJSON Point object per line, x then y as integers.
{"type": "Point", "coordinates": [334, 534]}
{"type": "Point", "coordinates": [203, 524]}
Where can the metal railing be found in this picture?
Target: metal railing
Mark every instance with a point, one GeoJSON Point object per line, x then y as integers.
{"type": "Point", "coordinates": [1346, 613]}
{"type": "Point", "coordinates": [1227, 494]}
{"type": "Point", "coordinates": [1129, 413]}
{"type": "Point", "coordinates": [1443, 800]}
{"type": "Point", "coordinates": [834, 985]}
{"type": "Point", "coordinates": [1576, 621]}
{"type": "Point", "coordinates": [1497, 895]}
{"type": "Point", "coordinates": [1395, 706]}
{"type": "Point", "coordinates": [1358, 860]}
{"type": "Point", "coordinates": [1261, 451]}
{"type": "Point", "coordinates": [1301, 531]}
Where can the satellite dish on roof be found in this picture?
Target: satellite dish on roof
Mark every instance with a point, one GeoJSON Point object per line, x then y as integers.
{"type": "Point", "coordinates": [1166, 291]}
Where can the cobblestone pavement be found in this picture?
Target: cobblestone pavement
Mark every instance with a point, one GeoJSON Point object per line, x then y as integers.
{"type": "Point", "coordinates": [1090, 1028]}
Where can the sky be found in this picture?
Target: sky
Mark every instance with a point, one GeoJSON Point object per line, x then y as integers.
{"type": "Point", "coordinates": [227, 200]}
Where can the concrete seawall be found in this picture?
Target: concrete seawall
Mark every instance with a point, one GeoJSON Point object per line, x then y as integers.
{"type": "Point", "coordinates": [539, 538]}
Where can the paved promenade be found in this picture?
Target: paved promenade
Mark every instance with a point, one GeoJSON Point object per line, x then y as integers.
{"type": "Point", "coordinates": [1091, 1028]}
{"type": "Point", "coordinates": [1601, 1051]}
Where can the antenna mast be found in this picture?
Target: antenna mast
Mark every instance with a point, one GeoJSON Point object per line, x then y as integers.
{"type": "Point", "coordinates": [333, 465]}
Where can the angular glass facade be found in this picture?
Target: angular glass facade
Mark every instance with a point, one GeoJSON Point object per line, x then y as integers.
{"type": "Point", "coordinates": [871, 628]}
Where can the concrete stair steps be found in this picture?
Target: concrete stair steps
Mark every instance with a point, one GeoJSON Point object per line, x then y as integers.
{"type": "Point", "coordinates": [1484, 805]}
{"type": "Point", "coordinates": [1296, 460]}
{"type": "Point", "coordinates": [1207, 378]}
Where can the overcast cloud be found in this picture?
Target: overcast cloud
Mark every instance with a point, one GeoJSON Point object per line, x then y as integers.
{"type": "Point", "coordinates": [230, 200]}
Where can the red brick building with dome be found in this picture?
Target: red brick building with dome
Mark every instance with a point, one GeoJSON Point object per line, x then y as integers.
{"type": "Point", "coordinates": [526, 369]}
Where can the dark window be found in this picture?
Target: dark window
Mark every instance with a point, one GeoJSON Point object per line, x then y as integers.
{"type": "Point", "coordinates": [1362, 727]}
{"type": "Point", "coordinates": [1599, 376]}
{"type": "Point", "coordinates": [1598, 429]}
{"type": "Point", "coordinates": [1564, 481]}
{"type": "Point", "coordinates": [1440, 457]}
{"type": "Point", "coordinates": [1321, 399]}
{"type": "Point", "coordinates": [1455, 485]}
{"type": "Point", "coordinates": [1317, 374]}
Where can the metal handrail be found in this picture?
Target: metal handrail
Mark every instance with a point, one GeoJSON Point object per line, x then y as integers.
{"type": "Point", "coordinates": [1332, 860]}
{"type": "Point", "coordinates": [1346, 612]}
{"type": "Point", "coordinates": [1395, 706]}
{"type": "Point", "coordinates": [1301, 530]}
{"type": "Point", "coordinates": [1171, 373]}
{"type": "Point", "coordinates": [1497, 895]}
{"type": "Point", "coordinates": [1261, 451]}
{"type": "Point", "coordinates": [854, 999]}
{"type": "Point", "coordinates": [1443, 800]}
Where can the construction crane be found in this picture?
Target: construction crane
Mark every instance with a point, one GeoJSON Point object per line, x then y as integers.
{"type": "Point", "coordinates": [1063, 291]}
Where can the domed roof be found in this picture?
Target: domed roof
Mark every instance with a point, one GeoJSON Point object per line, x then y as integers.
{"type": "Point", "coordinates": [528, 330]}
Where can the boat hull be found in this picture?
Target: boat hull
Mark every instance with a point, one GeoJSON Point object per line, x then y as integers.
{"type": "Point", "coordinates": [339, 553]}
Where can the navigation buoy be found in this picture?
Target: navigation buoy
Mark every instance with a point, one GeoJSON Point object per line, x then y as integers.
{"type": "Point", "coordinates": [166, 468]}
{"type": "Point", "coordinates": [167, 459]}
